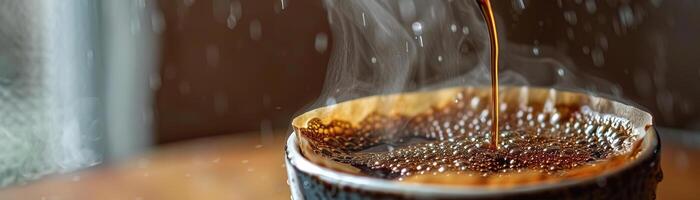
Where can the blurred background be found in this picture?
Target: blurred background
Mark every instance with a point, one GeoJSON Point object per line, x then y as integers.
{"type": "Point", "coordinates": [187, 99]}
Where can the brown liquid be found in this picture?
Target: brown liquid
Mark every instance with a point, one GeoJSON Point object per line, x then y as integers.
{"type": "Point", "coordinates": [452, 140]}
{"type": "Point", "coordinates": [487, 11]}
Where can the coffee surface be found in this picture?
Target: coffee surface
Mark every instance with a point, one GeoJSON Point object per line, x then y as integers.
{"type": "Point", "coordinates": [454, 139]}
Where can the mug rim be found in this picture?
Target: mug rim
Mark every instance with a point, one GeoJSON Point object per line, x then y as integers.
{"type": "Point", "coordinates": [296, 159]}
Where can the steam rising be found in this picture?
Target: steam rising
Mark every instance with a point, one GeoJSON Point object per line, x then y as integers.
{"type": "Point", "coordinates": [390, 46]}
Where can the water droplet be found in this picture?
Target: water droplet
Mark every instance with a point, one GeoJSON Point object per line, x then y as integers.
{"type": "Point", "coordinates": [626, 15]}
{"type": "Point", "coordinates": [364, 20]}
{"type": "Point", "coordinates": [235, 12]}
{"type": "Point", "coordinates": [465, 30]}
{"type": "Point", "coordinates": [255, 29]}
{"type": "Point", "coordinates": [591, 7]}
{"type": "Point", "coordinates": [586, 50]}
{"type": "Point", "coordinates": [280, 6]}
{"type": "Point", "coordinates": [284, 4]}
{"type": "Point", "coordinates": [560, 72]}
{"type": "Point", "coordinates": [373, 60]}
{"type": "Point", "coordinates": [330, 101]}
{"type": "Point", "coordinates": [474, 103]}
{"type": "Point", "coordinates": [570, 17]}
{"type": "Point", "coordinates": [536, 51]}
{"type": "Point", "coordinates": [321, 42]}
{"type": "Point", "coordinates": [417, 28]}
{"type": "Point", "coordinates": [519, 5]}
{"type": "Point", "coordinates": [453, 28]}
{"type": "Point", "coordinates": [439, 58]}
{"type": "Point", "coordinates": [603, 41]}
{"type": "Point", "coordinates": [598, 57]}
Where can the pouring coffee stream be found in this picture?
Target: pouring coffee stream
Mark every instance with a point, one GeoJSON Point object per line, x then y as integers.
{"type": "Point", "coordinates": [490, 20]}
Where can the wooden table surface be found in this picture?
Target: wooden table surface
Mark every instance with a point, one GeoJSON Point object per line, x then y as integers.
{"type": "Point", "coordinates": [242, 166]}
